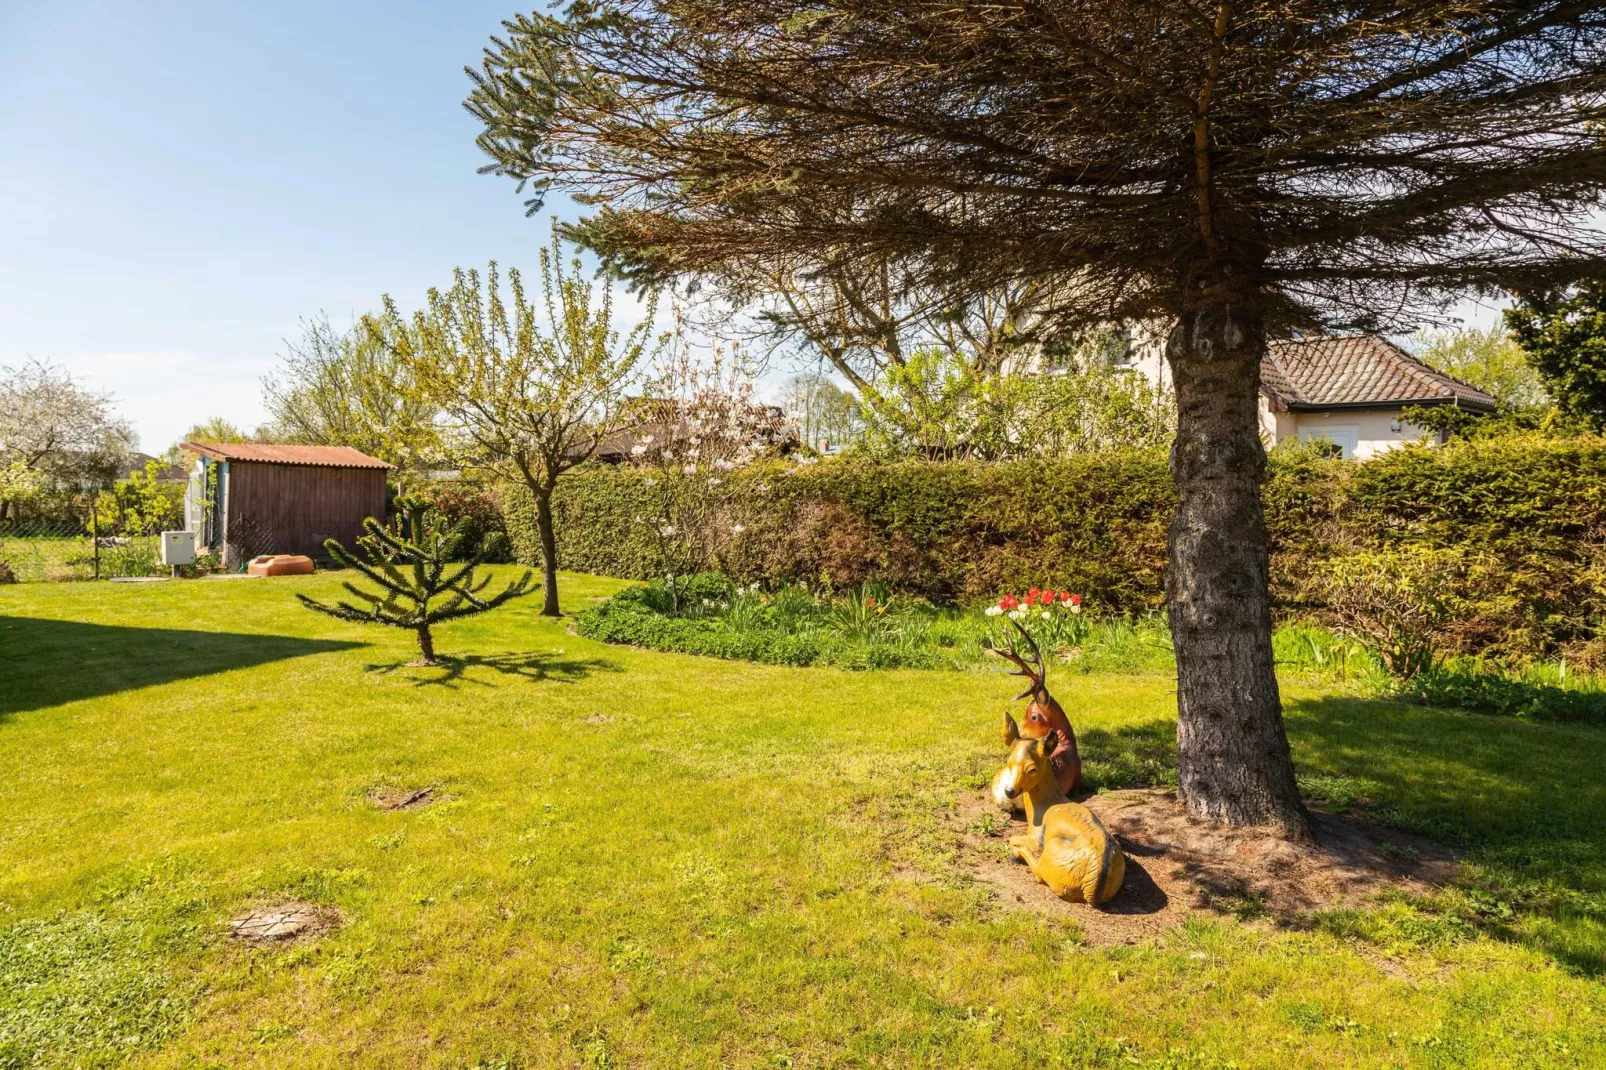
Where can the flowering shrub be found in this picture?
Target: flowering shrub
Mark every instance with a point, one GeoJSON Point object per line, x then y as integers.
{"type": "Point", "coordinates": [455, 502]}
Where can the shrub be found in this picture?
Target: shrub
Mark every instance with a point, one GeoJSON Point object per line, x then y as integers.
{"type": "Point", "coordinates": [1473, 687]}
{"type": "Point", "coordinates": [475, 507]}
{"type": "Point", "coordinates": [1529, 510]}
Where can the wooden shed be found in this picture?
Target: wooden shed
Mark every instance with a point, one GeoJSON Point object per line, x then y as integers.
{"type": "Point", "coordinates": [252, 498]}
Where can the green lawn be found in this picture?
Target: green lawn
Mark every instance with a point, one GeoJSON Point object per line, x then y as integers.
{"type": "Point", "coordinates": [659, 860]}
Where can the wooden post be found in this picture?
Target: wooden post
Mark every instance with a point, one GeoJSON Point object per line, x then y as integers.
{"type": "Point", "coordinates": [94, 535]}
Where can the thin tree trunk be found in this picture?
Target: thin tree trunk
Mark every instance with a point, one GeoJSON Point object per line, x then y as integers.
{"type": "Point", "coordinates": [426, 645]}
{"type": "Point", "coordinates": [1232, 751]}
{"type": "Point", "coordinates": [549, 553]}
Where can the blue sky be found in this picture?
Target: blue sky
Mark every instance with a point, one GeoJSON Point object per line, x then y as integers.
{"type": "Point", "coordinates": [183, 181]}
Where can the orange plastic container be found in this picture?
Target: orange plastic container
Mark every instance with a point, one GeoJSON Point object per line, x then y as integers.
{"type": "Point", "coordinates": [280, 565]}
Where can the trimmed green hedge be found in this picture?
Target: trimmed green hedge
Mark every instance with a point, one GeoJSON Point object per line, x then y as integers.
{"type": "Point", "coordinates": [959, 533]}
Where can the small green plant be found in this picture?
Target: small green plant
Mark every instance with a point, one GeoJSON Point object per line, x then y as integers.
{"type": "Point", "coordinates": [412, 563]}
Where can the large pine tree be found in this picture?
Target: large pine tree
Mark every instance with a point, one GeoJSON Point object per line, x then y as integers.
{"type": "Point", "coordinates": [1242, 170]}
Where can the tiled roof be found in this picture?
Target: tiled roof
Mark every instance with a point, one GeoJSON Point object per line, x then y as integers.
{"type": "Point", "coordinates": [266, 453]}
{"type": "Point", "coordinates": [1359, 370]}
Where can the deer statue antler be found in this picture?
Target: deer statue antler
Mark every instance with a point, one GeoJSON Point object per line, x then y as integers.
{"type": "Point", "coordinates": [1043, 715]}
{"type": "Point", "coordinates": [1012, 654]}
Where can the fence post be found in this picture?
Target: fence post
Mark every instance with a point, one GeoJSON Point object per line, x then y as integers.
{"type": "Point", "coordinates": [94, 536]}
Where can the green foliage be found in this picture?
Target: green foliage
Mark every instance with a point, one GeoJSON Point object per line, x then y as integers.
{"type": "Point", "coordinates": [93, 987]}
{"type": "Point", "coordinates": [1490, 360]}
{"type": "Point", "coordinates": [349, 389]}
{"type": "Point", "coordinates": [413, 562]}
{"type": "Point", "coordinates": [865, 627]}
{"type": "Point", "coordinates": [1564, 335]}
{"type": "Point", "coordinates": [1393, 601]}
{"type": "Point", "coordinates": [1528, 508]}
{"type": "Point", "coordinates": [141, 504]}
{"type": "Point", "coordinates": [939, 405]}
{"type": "Point", "coordinates": [457, 501]}
{"type": "Point", "coordinates": [1466, 684]}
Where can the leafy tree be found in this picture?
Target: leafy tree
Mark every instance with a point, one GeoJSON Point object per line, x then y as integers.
{"type": "Point", "coordinates": [524, 405]}
{"type": "Point", "coordinates": [826, 415]}
{"type": "Point", "coordinates": [66, 435]}
{"type": "Point", "coordinates": [1563, 331]}
{"type": "Point", "coordinates": [1239, 171]}
{"type": "Point", "coordinates": [415, 564]}
{"type": "Point", "coordinates": [1490, 360]}
{"type": "Point", "coordinates": [141, 504]}
{"type": "Point", "coordinates": [349, 389]}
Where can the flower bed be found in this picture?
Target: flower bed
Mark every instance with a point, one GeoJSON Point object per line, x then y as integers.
{"type": "Point", "coordinates": [866, 627]}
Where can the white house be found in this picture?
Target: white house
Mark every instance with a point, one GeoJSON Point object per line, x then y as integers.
{"type": "Point", "coordinates": [1349, 390]}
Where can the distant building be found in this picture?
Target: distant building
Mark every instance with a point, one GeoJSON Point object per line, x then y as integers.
{"type": "Point", "coordinates": [1351, 390]}
{"type": "Point", "coordinates": [165, 473]}
{"type": "Point", "coordinates": [251, 498]}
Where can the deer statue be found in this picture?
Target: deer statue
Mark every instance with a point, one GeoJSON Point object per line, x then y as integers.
{"type": "Point", "coordinates": [1043, 716]}
{"type": "Point", "coordinates": [1065, 844]}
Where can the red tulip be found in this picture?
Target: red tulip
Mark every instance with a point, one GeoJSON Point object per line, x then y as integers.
{"type": "Point", "coordinates": [1076, 599]}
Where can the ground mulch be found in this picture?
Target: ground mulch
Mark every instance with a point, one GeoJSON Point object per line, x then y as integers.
{"type": "Point", "coordinates": [1177, 865]}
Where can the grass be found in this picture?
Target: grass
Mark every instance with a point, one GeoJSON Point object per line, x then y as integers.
{"type": "Point", "coordinates": [654, 859]}
{"type": "Point", "coordinates": [50, 558]}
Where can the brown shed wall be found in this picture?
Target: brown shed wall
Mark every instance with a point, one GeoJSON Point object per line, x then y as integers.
{"type": "Point", "coordinates": [294, 507]}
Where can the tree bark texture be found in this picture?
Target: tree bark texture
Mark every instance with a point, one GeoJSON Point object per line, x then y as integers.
{"type": "Point", "coordinates": [1232, 751]}
{"type": "Point", "coordinates": [426, 645]}
{"type": "Point", "coordinates": [549, 554]}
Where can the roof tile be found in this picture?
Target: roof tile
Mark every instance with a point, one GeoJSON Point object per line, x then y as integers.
{"type": "Point", "coordinates": [1358, 370]}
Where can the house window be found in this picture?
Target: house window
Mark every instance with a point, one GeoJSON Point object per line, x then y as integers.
{"type": "Point", "coordinates": [1347, 437]}
{"type": "Point", "coordinates": [1118, 351]}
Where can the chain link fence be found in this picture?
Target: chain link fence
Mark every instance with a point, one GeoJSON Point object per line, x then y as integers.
{"type": "Point", "coordinates": [51, 551]}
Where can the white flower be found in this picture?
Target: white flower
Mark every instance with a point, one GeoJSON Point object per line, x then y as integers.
{"type": "Point", "coordinates": [1047, 615]}
{"type": "Point", "coordinates": [994, 611]}
{"type": "Point", "coordinates": [669, 455]}
{"type": "Point", "coordinates": [1016, 614]}
{"type": "Point", "coordinates": [690, 469]}
{"type": "Point", "coordinates": [667, 531]}
{"type": "Point", "coordinates": [637, 451]}
{"type": "Point", "coordinates": [693, 452]}
{"type": "Point", "coordinates": [1076, 609]}
{"type": "Point", "coordinates": [714, 481]}
{"type": "Point", "coordinates": [737, 529]}
{"type": "Point", "coordinates": [723, 465]}
{"type": "Point", "coordinates": [649, 482]}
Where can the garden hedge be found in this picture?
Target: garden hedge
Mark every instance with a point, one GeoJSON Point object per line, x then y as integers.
{"type": "Point", "coordinates": [1533, 508]}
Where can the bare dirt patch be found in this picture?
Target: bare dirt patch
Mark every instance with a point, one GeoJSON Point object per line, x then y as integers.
{"type": "Point", "coordinates": [405, 798]}
{"type": "Point", "coordinates": [283, 923]}
{"type": "Point", "coordinates": [1178, 865]}
{"type": "Point", "coordinates": [597, 718]}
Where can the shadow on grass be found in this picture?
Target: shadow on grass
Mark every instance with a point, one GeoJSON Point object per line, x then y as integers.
{"type": "Point", "coordinates": [1133, 756]}
{"type": "Point", "coordinates": [531, 667]}
{"type": "Point", "coordinates": [48, 662]}
{"type": "Point", "coordinates": [1525, 801]}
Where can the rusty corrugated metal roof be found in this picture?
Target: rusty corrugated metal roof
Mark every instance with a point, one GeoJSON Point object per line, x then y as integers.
{"type": "Point", "coordinates": [272, 453]}
{"type": "Point", "coordinates": [1358, 370]}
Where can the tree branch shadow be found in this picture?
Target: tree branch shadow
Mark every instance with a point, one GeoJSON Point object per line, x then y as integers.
{"type": "Point", "coordinates": [531, 667]}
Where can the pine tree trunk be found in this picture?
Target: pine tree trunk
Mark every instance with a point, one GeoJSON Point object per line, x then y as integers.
{"type": "Point", "coordinates": [426, 645]}
{"type": "Point", "coordinates": [549, 553]}
{"type": "Point", "coordinates": [1232, 752]}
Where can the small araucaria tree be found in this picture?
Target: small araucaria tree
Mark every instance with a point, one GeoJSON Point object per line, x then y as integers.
{"type": "Point", "coordinates": [414, 562]}
{"type": "Point", "coordinates": [1237, 169]}
{"type": "Point", "coordinates": [524, 404]}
